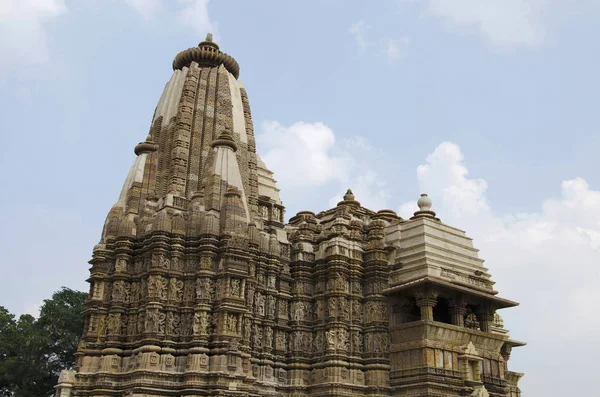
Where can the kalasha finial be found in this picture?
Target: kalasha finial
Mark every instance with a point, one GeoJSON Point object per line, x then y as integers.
{"type": "Point", "coordinates": [349, 196]}
{"type": "Point", "coordinates": [424, 211]}
{"type": "Point", "coordinates": [349, 199]}
{"type": "Point", "coordinates": [208, 42]}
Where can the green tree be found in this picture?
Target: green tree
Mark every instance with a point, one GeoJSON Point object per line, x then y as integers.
{"type": "Point", "coordinates": [33, 352]}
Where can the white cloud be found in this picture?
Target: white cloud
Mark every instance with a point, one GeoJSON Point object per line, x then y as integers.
{"type": "Point", "coordinates": [506, 23]}
{"type": "Point", "coordinates": [359, 31]}
{"type": "Point", "coordinates": [392, 48]}
{"type": "Point", "coordinates": [190, 13]}
{"type": "Point", "coordinates": [194, 14]}
{"type": "Point", "coordinates": [23, 27]}
{"type": "Point", "coordinates": [548, 260]}
{"type": "Point", "coordinates": [301, 153]}
{"type": "Point", "coordinates": [396, 48]}
{"type": "Point", "coordinates": [306, 155]}
{"type": "Point", "coordinates": [146, 8]}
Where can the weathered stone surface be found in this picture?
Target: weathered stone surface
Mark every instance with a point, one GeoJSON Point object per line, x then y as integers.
{"type": "Point", "coordinates": [198, 287]}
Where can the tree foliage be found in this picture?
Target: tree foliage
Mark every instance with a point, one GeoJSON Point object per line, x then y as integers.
{"type": "Point", "coordinates": [34, 351]}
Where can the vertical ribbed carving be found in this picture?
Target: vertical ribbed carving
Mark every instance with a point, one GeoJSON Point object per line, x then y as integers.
{"type": "Point", "coordinates": [209, 121]}
{"type": "Point", "coordinates": [193, 178]}
{"type": "Point", "coordinates": [181, 139]}
{"type": "Point", "coordinates": [252, 180]}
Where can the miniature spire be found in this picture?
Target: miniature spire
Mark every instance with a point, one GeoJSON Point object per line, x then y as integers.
{"type": "Point", "coordinates": [225, 139]}
{"type": "Point", "coordinates": [148, 146]}
{"type": "Point", "coordinates": [349, 199]}
{"type": "Point", "coordinates": [424, 211]}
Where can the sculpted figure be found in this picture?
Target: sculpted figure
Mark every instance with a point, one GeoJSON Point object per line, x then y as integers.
{"type": "Point", "coordinates": [356, 342]}
{"type": "Point", "coordinates": [261, 278]}
{"type": "Point", "coordinates": [247, 328]}
{"type": "Point", "coordinates": [188, 291]}
{"type": "Point", "coordinates": [330, 339]}
{"type": "Point", "coordinates": [344, 309]}
{"type": "Point", "coordinates": [187, 324]}
{"type": "Point", "coordinates": [113, 325]}
{"type": "Point", "coordinates": [298, 311]}
{"type": "Point", "coordinates": [151, 322]}
{"type": "Point", "coordinates": [135, 292]}
{"type": "Point", "coordinates": [380, 344]}
{"type": "Point", "coordinates": [268, 337]}
{"type": "Point", "coordinates": [318, 342]}
{"type": "Point", "coordinates": [161, 323]}
{"type": "Point", "coordinates": [250, 296]}
{"type": "Point", "coordinates": [260, 304]}
{"type": "Point", "coordinates": [200, 326]}
{"type": "Point", "coordinates": [102, 326]}
{"type": "Point", "coordinates": [140, 323]}
{"type": "Point", "coordinates": [157, 286]}
{"type": "Point", "coordinates": [272, 281]}
{"type": "Point", "coordinates": [342, 339]}
{"type": "Point", "coordinates": [356, 311]}
{"type": "Point", "coordinates": [121, 265]}
{"type": "Point", "coordinates": [319, 309]}
{"type": "Point", "coordinates": [156, 261]}
{"type": "Point", "coordinates": [172, 326]}
{"type": "Point", "coordinates": [175, 289]}
{"type": "Point", "coordinates": [131, 324]}
{"type": "Point", "coordinates": [280, 341]}
{"type": "Point", "coordinates": [203, 288]}
{"type": "Point", "coordinates": [257, 337]}
{"type": "Point", "coordinates": [272, 304]}
{"type": "Point", "coordinates": [231, 323]}
{"type": "Point", "coordinates": [176, 263]}
{"type": "Point", "coordinates": [137, 267]}
{"type": "Point", "coordinates": [118, 291]}
{"type": "Point", "coordinates": [235, 287]}
{"type": "Point", "coordinates": [331, 306]}
{"type": "Point", "coordinates": [124, 320]}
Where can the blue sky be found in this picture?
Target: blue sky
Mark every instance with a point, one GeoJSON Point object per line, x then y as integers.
{"type": "Point", "coordinates": [490, 106]}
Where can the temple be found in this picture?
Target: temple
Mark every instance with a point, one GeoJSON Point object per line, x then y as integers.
{"type": "Point", "coordinates": [198, 286]}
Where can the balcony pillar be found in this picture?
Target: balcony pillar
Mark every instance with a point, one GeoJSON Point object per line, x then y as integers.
{"type": "Point", "coordinates": [426, 301]}
{"type": "Point", "coordinates": [458, 310]}
{"type": "Point", "coordinates": [485, 318]}
{"type": "Point", "coordinates": [401, 311]}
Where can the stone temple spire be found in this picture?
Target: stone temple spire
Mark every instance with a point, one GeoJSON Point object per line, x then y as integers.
{"type": "Point", "coordinates": [199, 288]}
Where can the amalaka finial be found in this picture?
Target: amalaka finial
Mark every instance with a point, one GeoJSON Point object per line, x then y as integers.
{"type": "Point", "coordinates": [206, 54]}
{"type": "Point", "coordinates": [424, 204]}
{"type": "Point", "coordinates": [145, 147]}
{"type": "Point", "coordinates": [225, 139]}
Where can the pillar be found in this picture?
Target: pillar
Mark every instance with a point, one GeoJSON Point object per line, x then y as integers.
{"type": "Point", "coordinates": [485, 318]}
{"type": "Point", "coordinates": [426, 301]}
{"type": "Point", "coordinates": [401, 310]}
{"type": "Point", "coordinates": [458, 310]}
